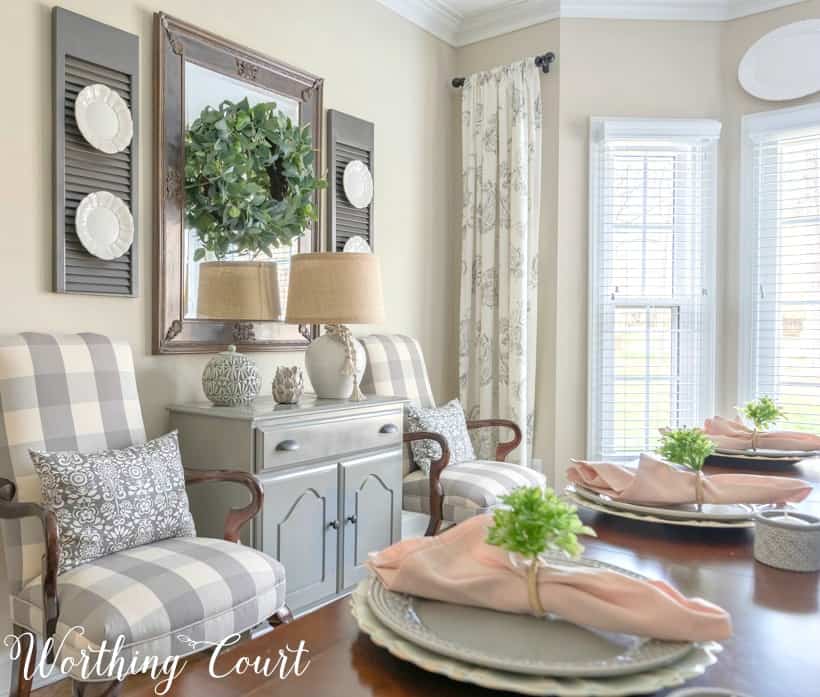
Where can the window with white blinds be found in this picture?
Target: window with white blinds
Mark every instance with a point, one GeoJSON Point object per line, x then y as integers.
{"type": "Point", "coordinates": [652, 229]}
{"type": "Point", "coordinates": [780, 237]}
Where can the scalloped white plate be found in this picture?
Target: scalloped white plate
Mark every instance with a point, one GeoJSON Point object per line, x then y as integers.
{"type": "Point", "coordinates": [103, 118]}
{"type": "Point", "coordinates": [571, 494]}
{"type": "Point", "coordinates": [104, 225]}
{"type": "Point", "coordinates": [358, 184]}
{"type": "Point", "coordinates": [693, 664]}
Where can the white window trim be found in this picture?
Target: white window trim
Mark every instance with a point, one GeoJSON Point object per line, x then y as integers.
{"type": "Point", "coordinates": [754, 129]}
{"type": "Point", "coordinates": [599, 129]}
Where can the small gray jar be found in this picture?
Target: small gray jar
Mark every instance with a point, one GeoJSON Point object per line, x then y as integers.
{"type": "Point", "coordinates": [790, 542]}
{"type": "Point", "coordinates": [231, 379]}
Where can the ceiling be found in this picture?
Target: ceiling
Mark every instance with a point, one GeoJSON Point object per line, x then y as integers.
{"type": "Point", "coordinates": [461, 22]}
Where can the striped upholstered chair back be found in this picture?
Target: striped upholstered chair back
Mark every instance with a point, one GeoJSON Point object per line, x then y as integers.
{"type": "Point", "coordinates": [395, 367]}
{"type": "Point", "coordinates": [71, 392]}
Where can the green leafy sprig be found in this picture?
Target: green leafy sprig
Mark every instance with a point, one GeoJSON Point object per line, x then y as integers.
{"type": "Point", "coordinates": [533, 522]}
{"type": "Point", "coordinates": [686, 446]}
{"type": "Point", "coordinates": [249, 179]}
{"type": "Point", "coordinates": [762, 412]}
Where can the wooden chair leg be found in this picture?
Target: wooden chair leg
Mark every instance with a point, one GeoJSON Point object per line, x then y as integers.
{"type": "Point", "coordinates": [280, 617]}
{"type": "Point", "coordinates": [21, 671]}
{"type": "Point", "coordinates": [96, 689]}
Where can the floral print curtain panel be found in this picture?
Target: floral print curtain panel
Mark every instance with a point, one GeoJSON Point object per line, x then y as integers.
{"type": "Point", "coordinates": [501, 155]}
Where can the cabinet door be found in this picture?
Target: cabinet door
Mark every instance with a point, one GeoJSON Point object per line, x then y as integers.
{"type": "Point", "coordinates": [300, 528]}
{"type": "Point", "coordinates": [372, 509]}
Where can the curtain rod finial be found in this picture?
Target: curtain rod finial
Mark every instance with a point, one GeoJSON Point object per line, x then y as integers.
{"type": "Point", "coordinates": [458, 82]}
{"type": "Point", "coordinates": [544, 61]}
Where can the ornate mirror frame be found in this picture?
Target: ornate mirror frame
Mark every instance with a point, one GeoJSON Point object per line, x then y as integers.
{"type": "Point", "coordinates": [176, 42]}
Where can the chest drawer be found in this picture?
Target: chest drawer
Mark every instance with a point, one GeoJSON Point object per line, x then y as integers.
{"type": "Point", "coordinates": [281, 445]}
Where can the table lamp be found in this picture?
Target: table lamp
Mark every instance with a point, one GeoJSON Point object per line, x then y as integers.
{"type": "Point", "coordinates": [242, 291]}
{"type": "Point", "coordinates": [335, 290]}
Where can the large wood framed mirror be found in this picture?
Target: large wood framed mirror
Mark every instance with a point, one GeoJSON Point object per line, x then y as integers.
{"type": "Point", "coordinates": [196, 70]}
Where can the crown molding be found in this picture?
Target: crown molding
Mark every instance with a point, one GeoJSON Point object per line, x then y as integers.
{"type": "Point", "coordinates": [458, 29]}
{"type": "Point", "coordinates": [434, 16]}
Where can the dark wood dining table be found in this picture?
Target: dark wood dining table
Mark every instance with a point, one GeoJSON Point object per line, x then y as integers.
{"type": "Point", "coordinates": [775, 650]}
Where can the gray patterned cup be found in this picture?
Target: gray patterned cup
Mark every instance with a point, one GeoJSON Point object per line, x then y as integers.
{"type": "Point", "coordinates": [788, 540]}
{"type": "Point", "coordinates": [288, 385]}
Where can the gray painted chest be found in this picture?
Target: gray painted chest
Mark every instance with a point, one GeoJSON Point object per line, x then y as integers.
{"type": "Point", "coordinates": [331, 471]}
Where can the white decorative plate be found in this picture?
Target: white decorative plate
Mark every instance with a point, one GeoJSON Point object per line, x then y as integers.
{"type": "Point", "coordinates": [358, 184]}
{"type": "Point", "coordinates": [730, 512]}
{"type": "Point", "coordinates": [357, 245]}
{"type": "Point", "coordinates": [103, 118]}
{"type": "Point", "coordinates": [104, 225]}
{"type": "Point", "coordinates": [694, 663]}
{"type": "Point", "coordinates": [520, 643]}
{"type": "Point", "coordinates": [783, 64]}
{"type": "Point", "coordinates": [571, 494]}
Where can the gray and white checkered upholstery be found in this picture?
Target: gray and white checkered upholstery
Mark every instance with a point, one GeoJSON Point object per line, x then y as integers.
{"type": "Point", "coordinates": [395, 366]}
{"type": "Point", "coordinates": [160, 597]}
{"type": "Point", "coordinates": [470, 488]}
{"type": "Point", "coordinates": [72, 392]}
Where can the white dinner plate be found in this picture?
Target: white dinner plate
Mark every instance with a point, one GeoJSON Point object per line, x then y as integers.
{"type": "Point", "coordinates": [104, 225]}
{"type": "Point", "coordinates": [103, 118]}
{"type": "Point", "coordinates": [726, 512]}
{"type": "Point", "coordinates": [357, 245]}
{"type": "Point", "coordinates": [358, 184]}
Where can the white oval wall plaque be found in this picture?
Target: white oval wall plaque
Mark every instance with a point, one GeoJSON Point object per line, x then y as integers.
{"type": "Point", "coordinates": [783, 64]}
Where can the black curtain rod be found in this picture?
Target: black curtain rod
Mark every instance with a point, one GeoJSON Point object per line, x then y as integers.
{"type": "Point", "coordinates": [542, 62]}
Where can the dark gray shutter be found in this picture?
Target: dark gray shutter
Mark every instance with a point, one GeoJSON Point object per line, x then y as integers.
{"type": "Point", "coordinates": [348, 139]}
{"type": "Point", "coordinates": [85, 53]}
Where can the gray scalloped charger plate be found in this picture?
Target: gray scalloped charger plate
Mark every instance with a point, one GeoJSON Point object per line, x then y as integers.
{"type": "Point", "coordinates": [519, 643]}
{"type": "Point", "coordinates": [727, 512]}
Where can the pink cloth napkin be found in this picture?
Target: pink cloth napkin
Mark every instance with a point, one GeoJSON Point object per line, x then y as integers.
{"type": "Point", "coordinates": [657, 482]}
{"type": "Point", "coordinates": [458, 566]}
{"type": "Point", "coordinates": [733, 435]}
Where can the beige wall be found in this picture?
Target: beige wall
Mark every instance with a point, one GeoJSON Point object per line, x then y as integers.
{"type": "Point", "coordinates": [376, 65]}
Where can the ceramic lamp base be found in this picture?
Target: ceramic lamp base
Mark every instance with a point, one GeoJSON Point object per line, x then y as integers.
{"type": "Point", "coordinates": [324, 361]}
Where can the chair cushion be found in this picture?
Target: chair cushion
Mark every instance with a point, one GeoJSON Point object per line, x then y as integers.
{"type": "Point", "coordinates": [112, 500]}
{"type": "Point", "coordinates": [447, 421]}
{"type": "Point", "coordinates": [160, 597]}
{"type": "Point", "coordinates": [470, 488]}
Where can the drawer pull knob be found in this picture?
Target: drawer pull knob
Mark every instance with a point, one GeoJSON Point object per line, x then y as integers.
{"type": "Point", "coordinates": [288, 445]}
{"type": "Point", "coordinates": [352, 519]}
{"type": "Point", "coordinates": [333, 524]}
{"type": "Point", "coordinates": [389, 428]}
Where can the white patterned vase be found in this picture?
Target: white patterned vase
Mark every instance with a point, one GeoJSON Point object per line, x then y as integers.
{"type": "Point", "coordinates": [231, 379]}
{"type": "Point", "coordinates": [288, 385]}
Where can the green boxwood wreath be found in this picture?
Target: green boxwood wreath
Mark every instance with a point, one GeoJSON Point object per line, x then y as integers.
{"type": "Point", "coordinates": [249, 179]}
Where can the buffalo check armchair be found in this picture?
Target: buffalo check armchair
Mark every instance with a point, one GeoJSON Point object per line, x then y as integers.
{"type": "Point", "coordinates": [78, 392]}
{"type": "Point", "coordinates": [451, 493]}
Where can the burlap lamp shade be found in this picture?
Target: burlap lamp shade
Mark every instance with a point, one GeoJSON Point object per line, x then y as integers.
{"type": "Point", "coordinates": [329, 288]}
{"type": "Point", "coordinates": [239, 290]}
{"type": "Point", "coordinates": [335, 290]}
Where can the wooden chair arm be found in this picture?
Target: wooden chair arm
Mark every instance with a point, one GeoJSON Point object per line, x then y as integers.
{"type": "Point", "coordinates": [502, 449]}
{"type": "Point", "coordinates": [13, 510]}
{"type": "Point", "coordinates": [237, 517]}
{"type": "Point", "coordinates": [436, 468]}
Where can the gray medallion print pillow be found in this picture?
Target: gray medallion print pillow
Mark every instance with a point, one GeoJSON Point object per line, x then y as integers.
{"type": "Point", "coordinates": [449, 421]}
{"type": "Point", "coordinates": [112, 500]}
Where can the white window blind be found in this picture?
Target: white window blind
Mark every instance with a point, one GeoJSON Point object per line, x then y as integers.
{"type": "Point", "coordinates": [780, 233]}
{"type": "Point", "coordinates": [652, 224]}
